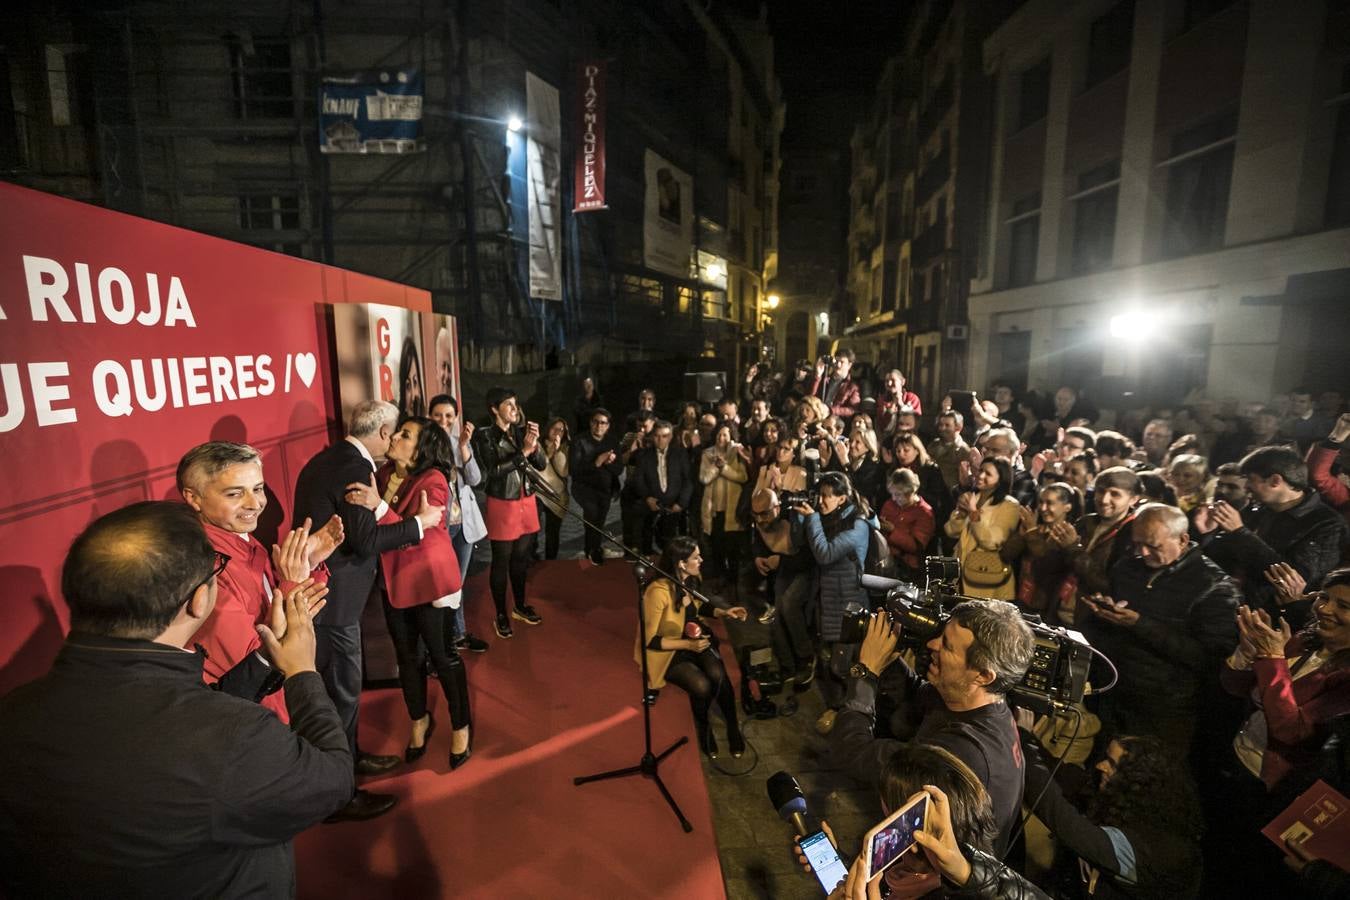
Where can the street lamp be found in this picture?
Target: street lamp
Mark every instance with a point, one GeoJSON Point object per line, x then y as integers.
{"type": "Point", "coordinates": [773, 301]}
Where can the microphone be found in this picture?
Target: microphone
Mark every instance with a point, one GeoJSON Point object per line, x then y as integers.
{"type": "Point", "coordinates": [786, 796]}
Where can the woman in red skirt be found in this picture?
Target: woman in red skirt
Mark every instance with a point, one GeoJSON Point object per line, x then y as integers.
{"type": "Point", "coordinates": [505, 449]}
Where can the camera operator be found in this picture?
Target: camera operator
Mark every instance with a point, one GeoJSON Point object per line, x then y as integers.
{"type": "Point", "coordinates": [838, 537]}
{"type": "Point", "coordinates": [777, 555]}
{"type": "Point", "coordinates": [958, 704]}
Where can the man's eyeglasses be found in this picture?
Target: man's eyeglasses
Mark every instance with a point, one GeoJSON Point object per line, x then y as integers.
{"type": "Point", "coordinates": [222, 560]}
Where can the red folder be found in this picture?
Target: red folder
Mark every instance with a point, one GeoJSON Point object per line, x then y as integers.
{"type": "Point", "coordinates": [1320, 820]}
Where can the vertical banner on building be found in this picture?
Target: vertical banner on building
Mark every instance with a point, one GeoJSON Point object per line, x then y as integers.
{"type": "Point", "coordinates": [590, 137]}
{"type": "Point", "coordinates": [543, 145]}
{"type": "Point", "coordinates": [668, 217]}
{"type": "Point", "coordinates": [378, 111]}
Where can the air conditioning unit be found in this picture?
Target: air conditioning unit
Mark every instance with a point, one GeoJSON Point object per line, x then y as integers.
{"type": "Point", "coordinates": [958, 332]}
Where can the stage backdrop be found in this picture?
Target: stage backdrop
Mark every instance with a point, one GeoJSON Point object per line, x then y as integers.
{"type": "Point", "coordinates": [124, 342]}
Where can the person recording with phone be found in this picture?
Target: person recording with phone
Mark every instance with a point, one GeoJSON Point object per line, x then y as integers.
{"type": "Point", "coordinates": [680, 647]}
{"type": "Point", "coordinates": [504, 449]}
{"type": "Point", "coordinates": [953, 852]}
{"type": "Point", "coordinates": [958, 704]}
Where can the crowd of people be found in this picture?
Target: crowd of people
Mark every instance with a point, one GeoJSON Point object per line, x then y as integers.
{"type": "Point", "coordinates": [1200, 548]}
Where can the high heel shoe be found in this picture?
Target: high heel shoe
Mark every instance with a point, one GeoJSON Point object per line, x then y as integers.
{"type": "Point", "coordinates": [737, 742]}
{"type": "Point", "coordinates": [707, 743]}
{"type": "Point", "coordinates": [459, 759]}
{"type": "Point", "coordinates": [413, 754]}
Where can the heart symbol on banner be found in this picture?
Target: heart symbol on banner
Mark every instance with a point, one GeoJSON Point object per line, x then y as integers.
{"type": "Point", "coordinates": [305, 366]}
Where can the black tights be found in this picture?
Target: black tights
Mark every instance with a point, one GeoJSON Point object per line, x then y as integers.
{"type": "Point", "coordinates": [510, 559]}
{"type": "Point", "coordinates": [704, 678]}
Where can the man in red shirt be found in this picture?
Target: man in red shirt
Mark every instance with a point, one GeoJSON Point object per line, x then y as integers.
{"type": "Point", "coordinates": [223, 482]}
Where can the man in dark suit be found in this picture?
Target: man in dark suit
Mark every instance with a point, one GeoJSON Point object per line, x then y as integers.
{"type": "Point", "coordinates": [125, 774]}
{"type": "Point", "coordinates": [336, 481]}
{"type": "Point", "coordinates": [663, 483]}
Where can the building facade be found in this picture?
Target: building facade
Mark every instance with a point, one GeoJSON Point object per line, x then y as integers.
{"type": "Point", "coordinates": [206, 116]}
{"type": "Point", "coordinates": [1169, 200]}
{"type": "Point", "coordinates": [918, 198]}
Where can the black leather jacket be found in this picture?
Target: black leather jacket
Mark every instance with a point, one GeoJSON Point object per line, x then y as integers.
{"type": "Point", "coordinates": [499, 457]}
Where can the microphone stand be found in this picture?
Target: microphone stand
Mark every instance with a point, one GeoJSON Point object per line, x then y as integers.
{"type": "Point", "coordinates": [645, 571]}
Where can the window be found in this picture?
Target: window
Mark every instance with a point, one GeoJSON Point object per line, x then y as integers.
{"type": "Point", "coordinates": [1109, 43]}
{"type": "Point", "coordinates": [271, 212]}
{"type": "Point", "coordinates": [1338, 185]}
{"type": "Point", "coordinates": [1199, 10]}
{"type": "Point", "coordinates": [1200, 170]}
{"type": "Point", "coordinates": [1094, 220]}
{"type": "Point", "coordinates": [12, 148]}
{"type": "Point", "coordinates": [1024, 241]}
{"type": "Point", "coordinates": [260, 76]}
{"type": "Point", "coordinates": [1033, 94]}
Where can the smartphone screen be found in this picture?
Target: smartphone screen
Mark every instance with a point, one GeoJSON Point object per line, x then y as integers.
{"type": "Point", "coordinates": [897, 836]}
{"type": "Point", "coordinates": [824, 859]}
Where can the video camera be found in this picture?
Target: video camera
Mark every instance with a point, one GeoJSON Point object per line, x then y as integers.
{"type": "Point", "coordinates": [1057, 675]}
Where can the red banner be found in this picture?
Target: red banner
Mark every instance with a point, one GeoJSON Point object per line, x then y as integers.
{"type": "Point", "coordinates": [589, 186]}
{"type": "Point", "coordinates": [123, 344]}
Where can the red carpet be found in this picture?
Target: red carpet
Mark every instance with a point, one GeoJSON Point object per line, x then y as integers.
{"type": "Point", "coordinates": [556, 701]}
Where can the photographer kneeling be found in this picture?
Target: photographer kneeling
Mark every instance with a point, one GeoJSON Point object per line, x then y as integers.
{"type": "Point", "coordinates": [958, 704]}
{"type": "Point", "coordinates": [838, 539]}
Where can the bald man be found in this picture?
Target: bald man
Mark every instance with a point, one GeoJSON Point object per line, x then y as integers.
{"type": "Point", "coordinates": [1167, 624]}
{"type": "Point", "coordinates": [776, 558]}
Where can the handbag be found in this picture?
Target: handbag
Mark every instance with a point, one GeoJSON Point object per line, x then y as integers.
{"type": "Point", "coordinates": [985, 568]}
{"type": "Point", "coordinates": [471, 517]}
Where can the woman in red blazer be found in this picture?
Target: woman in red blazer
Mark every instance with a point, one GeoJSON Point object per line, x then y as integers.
{"type": "Point", "coordinates": [422, 583]}
{"type": "Point", "coordinates": [1298, 682]}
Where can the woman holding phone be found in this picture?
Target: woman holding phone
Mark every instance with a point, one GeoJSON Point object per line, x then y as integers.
{"type": "Point", "coordinates": [954, 852]}
{"type": "Point", "coordinates": [681, 650]}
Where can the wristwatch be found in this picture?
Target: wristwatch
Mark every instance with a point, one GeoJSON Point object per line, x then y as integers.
{"type": "Point", "coordinates": [858, 670]}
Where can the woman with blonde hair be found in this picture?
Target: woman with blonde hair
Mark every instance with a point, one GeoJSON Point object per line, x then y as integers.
{"type": "Point", "coordinates": [722, 470]}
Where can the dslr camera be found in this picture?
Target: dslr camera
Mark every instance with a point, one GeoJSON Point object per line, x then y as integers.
{"type": "Point", "coordinates": [1060, 659]}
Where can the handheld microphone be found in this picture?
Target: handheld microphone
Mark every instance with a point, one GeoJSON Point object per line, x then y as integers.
{"type": "Point", "coordinates": [786, 796]}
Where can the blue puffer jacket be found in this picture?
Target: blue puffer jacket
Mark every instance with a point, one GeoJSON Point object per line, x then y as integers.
{"type": "Point", "coordinates": [840, 558]}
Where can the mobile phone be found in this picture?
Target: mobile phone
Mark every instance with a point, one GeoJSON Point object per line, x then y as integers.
{"type": "Point", "coordinates": [894, 837]}
{"type": "Point", "coordinates": [829, 869]}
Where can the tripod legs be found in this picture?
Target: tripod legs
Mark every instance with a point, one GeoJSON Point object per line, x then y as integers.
{"type": "Point", "coordinates": [649, 766]}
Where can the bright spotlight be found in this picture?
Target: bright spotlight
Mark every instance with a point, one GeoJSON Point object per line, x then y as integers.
{"type": "Point", "coordinates": [774, 300]}
{"type": "Point", "coordinates": [514, 124]}
{"type": "Point", "coordinates": [1133, 326]}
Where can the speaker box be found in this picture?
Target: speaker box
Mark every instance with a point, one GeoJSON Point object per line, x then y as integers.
{"type": "Point", "coordinates": [705, 387]}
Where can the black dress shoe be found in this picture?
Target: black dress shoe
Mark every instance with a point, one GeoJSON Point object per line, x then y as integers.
{"type": "Point", "coordinates": [412, 754]}
{"type": "Point", "coordinates": [363, 805]}
{"type": "Point", "coordinates": [459, 759]}
{"type": "Point", "coordinates": [370, 764]}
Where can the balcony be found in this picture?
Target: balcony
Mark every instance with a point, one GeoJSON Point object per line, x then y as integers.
{"type": "Point", "coordinates": [930, 242]}
{"type": "Point", "coordinates": [937, 106]}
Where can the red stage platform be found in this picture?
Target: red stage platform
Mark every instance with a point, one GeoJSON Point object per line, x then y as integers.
{"type": "Point", "coordinates": [556, 701]}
